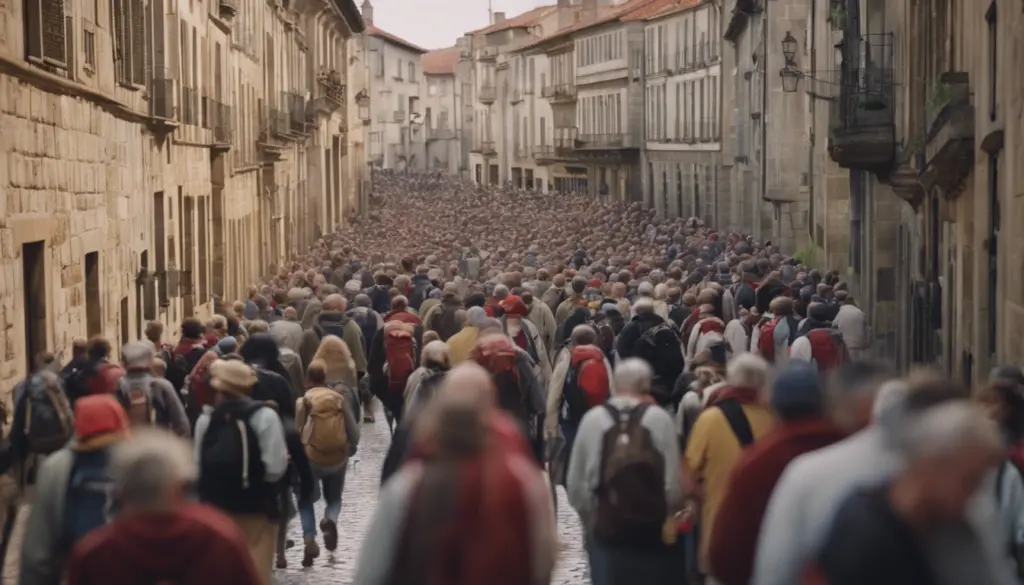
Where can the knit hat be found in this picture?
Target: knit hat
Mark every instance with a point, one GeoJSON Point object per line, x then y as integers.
{"type": "Point", "coordinates": [797, 391]}
{"type": "Point", "coordinates": [232, 377]}
{"type": "Point", "coordinates": [100, 421]}
{"type": "Point", "coordinates": [226, 345]}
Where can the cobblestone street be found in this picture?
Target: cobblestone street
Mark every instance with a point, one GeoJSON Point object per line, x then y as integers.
{"type": "Point", "coordinates": [359, 502]}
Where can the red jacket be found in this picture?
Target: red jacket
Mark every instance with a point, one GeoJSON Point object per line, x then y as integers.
{"type": "Point", "coordinates": [738, 522]}
{"type": "Point", "coordinates": [193, 545]}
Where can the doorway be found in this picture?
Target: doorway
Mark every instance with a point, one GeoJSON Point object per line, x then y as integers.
{"type": "Point", "coordinates": [125, 332]}
{"type": "Point", "coordinates": [33, 274]}
{"type": "Point", "coordinates": [188, 256]}
{"type": "Point", "coordinates": [93, 310]}
{"type": "Point", "coordinates": [160, 249]}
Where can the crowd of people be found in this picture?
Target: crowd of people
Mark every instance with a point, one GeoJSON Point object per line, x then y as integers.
{"type": "Point", "coordinates": [710, 406]}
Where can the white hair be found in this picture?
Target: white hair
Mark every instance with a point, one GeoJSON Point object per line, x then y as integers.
{"type": "Point", "coordinates": [501, 291]}
{"type": "Point", "coordinates": [890, 394]}
{"type": "Point", "coordinates": [145, 468]}
{"type": "Point", "coordinates": [644, 305]}
{"type": "Point", "coordinates": [946, 429]}
{"type": "Point", "coordinates": [633, 376]}
{"type": "Point", "coordinates": [137, 354]}
{"type": "Point", "coordinates": [747, 370]}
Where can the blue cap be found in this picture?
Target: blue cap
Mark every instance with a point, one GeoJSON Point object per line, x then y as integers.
{"type": "Point", "coordinates": [797, 390]}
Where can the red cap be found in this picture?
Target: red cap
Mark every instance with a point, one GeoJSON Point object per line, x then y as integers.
{"type": "Point", "coordinates": [515, 306]}
{"type": "Point", "coordinates": [99, 421]}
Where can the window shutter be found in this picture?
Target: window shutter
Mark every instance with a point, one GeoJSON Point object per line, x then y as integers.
{"type": "Point", "coordinates": [137, 42]}
{"type": "Point", "coordinates": [45, 34]}
{"type": "Point", "coordinates": [120, 48]}
{"type": "Point", "coordinates": [69, 46]}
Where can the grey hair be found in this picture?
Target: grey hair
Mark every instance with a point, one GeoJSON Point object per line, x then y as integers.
{"type": "Point", "coordinates": [145, 468]}
{"type": "Point", "coordinates": [490, 325]}
{"type": "Point", "coordinates": [890, 395]}
{"type": "Point", "coordinates": [633, 376]}
{"type": "Point", "coordinates": [476, 316]}
{"type": "Point", "coordinates": [583, 335]}
{"type": "Point", "coordinates": [747, 370]}
{"type": "Point", "coordinates": [435, 352]}
{"type": "Point", "coordinates": [644, 305]}
{"type": "Point", "coordinates": [943, 430]}
{"type": "Point", "coordinates": [501, 292]}
{"type": "Point", "coordinates": [138, 355]}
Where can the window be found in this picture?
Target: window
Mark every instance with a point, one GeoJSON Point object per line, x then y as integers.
{"type": "Point", "coordinates": [129, 41]}
{"type": "Point", "coordinates": [379, 64]}
{"type": "Point", "coordinates": [412, 71]}
{"type": "Point", "coordinates": [89, 46]}
{"type": "Point", "coordinates": [45, 33]}
{"type": "Point", "coordinates": [398, 71]}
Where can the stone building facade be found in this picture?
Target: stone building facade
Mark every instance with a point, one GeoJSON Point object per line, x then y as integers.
{"type": "Point", "coordinates": [396, 137]}
{"type": "Point", "coordinates": [144, 168]}
{"type": "Point", "coordinates": [442, 111]}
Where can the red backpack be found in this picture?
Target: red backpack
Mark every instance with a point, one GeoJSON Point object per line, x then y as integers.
{"type": "Point", "coordinates": [766, 343]}
{"type": "Point", "coordinates": [586, 384]}
{"type": "Point", "coordinates": [399, 354]}
{"type": "Point", "coordinates": [827, 349]}
{"type": "Point", "coordinates": [498, 355]}
{"type": "Point", "coordinates": [709, 324]}
{"type": "Point", "coordinates": [104, 380]}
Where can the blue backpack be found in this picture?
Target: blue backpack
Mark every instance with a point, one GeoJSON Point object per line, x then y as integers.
{"type": "Point", "coordinates": [89, 501]}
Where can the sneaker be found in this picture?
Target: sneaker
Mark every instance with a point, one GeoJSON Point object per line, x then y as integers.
{"type": "Point", "coordinates": [330, 530]}
{"type": "Point", "coordinates": [311, 552]}
{"type": "Point", "coordinates": [282, 563]}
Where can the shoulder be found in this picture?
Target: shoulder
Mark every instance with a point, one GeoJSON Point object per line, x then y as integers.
{"type": "Point", "coordinates": [205, 519]}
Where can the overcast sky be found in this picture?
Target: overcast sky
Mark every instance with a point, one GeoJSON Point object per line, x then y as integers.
{"type": "Point", "coordinates": [434, 24]}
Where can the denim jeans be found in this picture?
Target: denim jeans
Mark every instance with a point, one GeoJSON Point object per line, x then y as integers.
{"type": "Point", "coordinates": [330, 483]}
{"type": "Point", "coordinates": [662, 565]}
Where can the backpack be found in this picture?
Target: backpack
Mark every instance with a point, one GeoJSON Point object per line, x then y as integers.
{"type": "Point", "coordinates": [828, 350]}
{"type": "Point", "coordinates": [420, 293]}
{"type": "Point", "coordinates": [75, 385]}
{"type": "Point", "coordinates": [709, 324]}
{"type": "Point", "coordinates": [178, 368]}
{"type": "Point", "coordinates": [586, 384]}
{"type": "Point", "coordinates": [656, 342]}
{"type": "Point", "coordinates": [400, 355]}
{"type": "Point", "coordinates": [499, 357]}
{"type": "Point", "coordinates": [738, 421]}
{"type": "Point", "coordinates": [200, 392]}
{"type": "Point", "coordinates": [89, 497]}
{"type": "Point", "coordinates": [367, 323]}
{"type": "Point", "coordinates": [231, 468]}
{"type": "Point", "coordinates": [631, 504]}
{"type": "Point", "coordinates": [767, 342]}
{"type": "Point", "coordinates": [429, 386]}
{"type": "Point", "coordinates": [138, 403]}
{"type": "Point", "coordinates": [104, 378]}
{"type": "Point", "coordinates": [323, 431]}
{"type": "Point", "coordinates": [49, 420]}
{"type": "Point", "coordinates": [446, 324]}
{"type": "Point", "coordinates": [380, 300]}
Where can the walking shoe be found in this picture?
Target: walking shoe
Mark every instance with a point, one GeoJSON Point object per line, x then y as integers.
{"type": "Point", "coordinates": [330, 530]}
{"type": "Point", "coordinates": [312, 551]}
{"type": "Point", "coordinates": [369, 419]}
{"type": "Point", "coordinates": [282, 563]}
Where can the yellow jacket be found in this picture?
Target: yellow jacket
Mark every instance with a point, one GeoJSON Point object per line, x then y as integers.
{"type": "Point", "coordinates": [461, 344]}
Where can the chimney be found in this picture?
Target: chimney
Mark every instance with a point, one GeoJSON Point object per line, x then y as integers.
{"type": "Point", "coordinates": [589, 10]}
{"type": "Point", "coordinates": [564, 13]}
{"type": "Point", "coordinates": [498, 17]}
{"type": "Point", "coordinates": [367, 12]}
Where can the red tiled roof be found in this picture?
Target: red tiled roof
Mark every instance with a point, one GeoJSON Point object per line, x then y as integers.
{"type": "Point", "coordinates": [662, 8]}
{"type": "Point", "coordinates": [525, 19]}
{"type": "Point", "coordinates": [374, 31]}
{"type": "Point", "coordinates": [440, 62]}
{"type": "Point", "coordinates": [620, 12]}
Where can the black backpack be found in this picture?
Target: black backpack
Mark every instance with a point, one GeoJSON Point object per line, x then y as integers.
{"type": "Point", "coordinates": [419, 294]}
{"type": "Point", "coordinates": [179, 367]}
{"type": "Point", "coordinates": [380, 300]}
{"type": "Point", "coordinates": [227, 479]}
{"type": "Point", "coordinates": [49, 420]}
{"type": "Point", "coordinates": [656, 342]}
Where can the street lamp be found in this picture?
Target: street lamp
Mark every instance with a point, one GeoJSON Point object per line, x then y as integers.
{"type": "Point", "coordinates": [789, 48]}
{"type": "Point", "coordinates": [363, 101]}
{"type": "Point", "coordinates": [789, 73]}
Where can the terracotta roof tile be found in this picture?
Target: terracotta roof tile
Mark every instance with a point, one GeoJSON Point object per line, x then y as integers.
{"type": "Point", "coordinates": [525, 19]}
{"type": "Point", "coordinates": [374, 31]}
{"type": "Point", "coordinates": [620, 12]}
{"type": "Point", "coordinates": [440, 62]}
{"type": "Point", "coordinates": [668, 7]}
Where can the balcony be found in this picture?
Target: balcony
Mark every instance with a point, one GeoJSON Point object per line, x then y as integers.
{"type": "Point", "coordinates": [601, 141]}
{"type": "Point", "coordinates": [949, 142]}
{"type": "Point", "coordinates": [223, 125]}
{"type": "Point", "coordinates": [485, 148]}
{"type": "Point", "coordinates": [487, 94]}
{"type": "Point", "coordinates": [566, 141]}
{"type": "Point", "coordinates": [465, 53]}
{"type": "Point", "coordinates": [710, 130]}
{"type": "Point", "coordinates": [162, 95]}
{"type": "Point", "coordinates": [862, 134]}
{"type": "Point", "coordinates": [273, 129]}
{"type": "Point", "coordinates": [488, 54]}
{"type": "Point", "coordinates": [295, 106]}
{"type": "Point", "coordinates": [543, 154]}
{"type": "Point", "coordinates": [228, 8]}
{"type": "Point", "coordinates": [330, 92]}
{"type": "Point", "coordinates": [515, 96]}
{"type": "Point", "coordinates": [189, 106]}
{"type": "Point", "coordinates": [382, 116]}
{"type": "Point", "coordinates": [561, 93]}
{"type": "Point", "coordinates": [399, 116]}
{"type": "Point", "coordinates": [440, 134]}
{"type": "Point", "coordinates": [280, 125]}
{"type": "Point", "coordinates": [399, 151]}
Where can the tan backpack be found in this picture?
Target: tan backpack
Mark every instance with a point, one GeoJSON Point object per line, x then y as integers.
{"type": "Point", "coordinates": [323, 430]}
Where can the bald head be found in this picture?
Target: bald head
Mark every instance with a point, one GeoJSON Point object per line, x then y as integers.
{"type": "Point", "coordinates": [335, 303]}
{"type": "Point", "coordinates": [468, 382]}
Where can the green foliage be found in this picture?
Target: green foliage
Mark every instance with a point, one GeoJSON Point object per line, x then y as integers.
{"type": "Point", "coordinates": [808, 255]}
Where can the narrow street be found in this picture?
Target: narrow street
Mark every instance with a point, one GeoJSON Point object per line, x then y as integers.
{"type": "Point", "coordinates": [359, 502]}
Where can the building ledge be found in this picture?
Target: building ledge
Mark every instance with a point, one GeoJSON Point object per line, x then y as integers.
{"type": "Point", "coordinates": [949, 150]}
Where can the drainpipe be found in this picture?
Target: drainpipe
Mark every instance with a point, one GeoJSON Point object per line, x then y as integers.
{"type": "Point", "coordinates": [812, 222]}
{"type": "Point", "coordinates": [764, 120]}
{"type": "Point", "coordinates": [858, 178]}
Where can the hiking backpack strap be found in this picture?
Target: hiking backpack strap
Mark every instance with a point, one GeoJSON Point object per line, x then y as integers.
{"type": "Point", "coordinates": [738, 421]}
